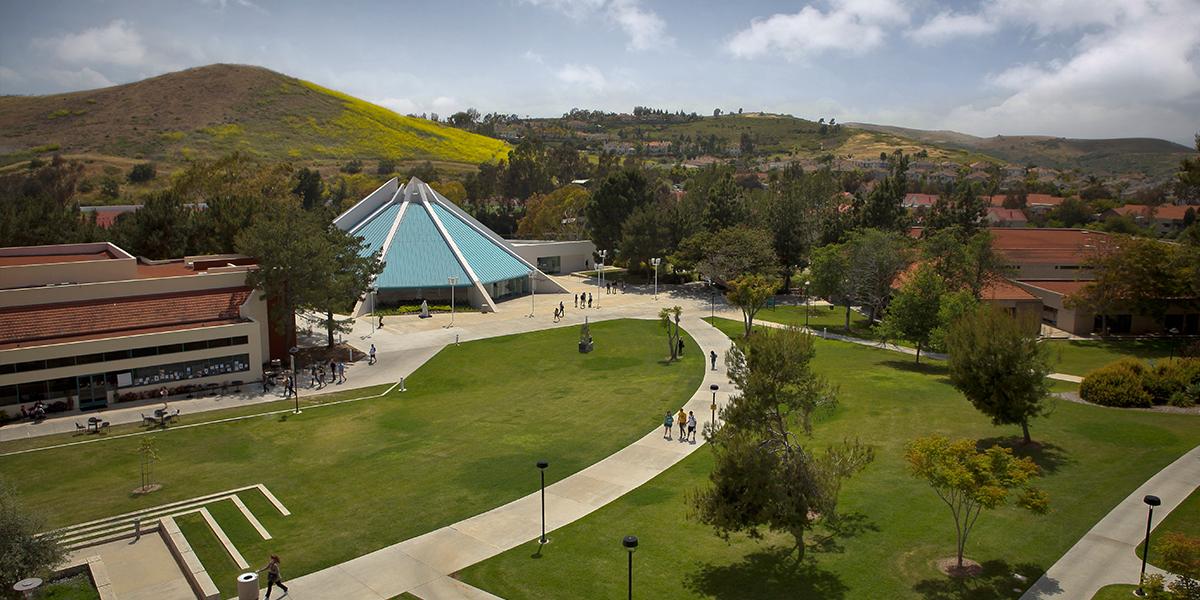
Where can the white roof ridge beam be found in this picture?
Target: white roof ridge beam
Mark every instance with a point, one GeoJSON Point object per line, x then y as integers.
{"type": "Point", "coordinates": [479, 227]}
{"type": "Point", "coordinates": [360, 306]}
{"type": "Point", "coordinates": [458, 255]}
{"type": "Point", "coordinates": [393, 181]}
{"type": "Point", "coordinates": [382, 207]}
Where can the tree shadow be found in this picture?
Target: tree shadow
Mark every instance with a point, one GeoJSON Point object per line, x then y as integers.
{"type": "Point", "coordinates": [994, 582]}
{"type": "Point", "coordinates": [841, 527]}
{"type": "Point", "coordinates": [1049, 456]}
{"type": "Point", "coordinates": [771, 573]}
{"type": "Point", "coordinates": [937, 369]}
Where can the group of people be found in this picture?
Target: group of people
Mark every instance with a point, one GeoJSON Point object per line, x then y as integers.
{"type": "Point", "coordinates": [686, 422]}
{"type": "Point", "coordinates": [612, 288]}
{"type": "Point", "coordinates": [560, 311]}
{"type": "Point", "coordinates": [583, 300]}
{"type": "Point", "coordinates": [337, 373]}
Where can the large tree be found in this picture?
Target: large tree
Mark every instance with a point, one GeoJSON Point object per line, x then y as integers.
{"type": "Point", "coordinates": [970, 481]}
{"type": "Point", "coordinates": [764, 477]}
{"type": "Point", "coordinates": [751, 293]}
{"type": "Point", "coordinates": [796, 210]}
{"type": "Point", "coordinates": [1000, 365]}
{"type": "Point", "coordinates": [963, 259]}
{"type": "Point", "coordinates": [913, 313]}
{"type": "Point", "coordinates": [1139, 275]}
{"type": "Point", "coordinates": [162, 228]}
{"type": "Point", "coordinates": [38, 206]}
{"type": "Point", "coordinates": [555, 216]}
{"type": "Point", "coordinates": [962, 208]}
{"type": "Point", "coordinates": [883, 207]}
{"type": "Point", "coordinates": [617, 196]}
{"type": "Point", "coordinates": [876, 258]}
{"type": "Point", "coordinates": [731, 253]}
{"type": "Point", "coordinates": [828, 273]}
{"type": "Point", "coordinates": [24, 553]}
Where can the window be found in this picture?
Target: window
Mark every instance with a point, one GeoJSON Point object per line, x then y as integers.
{"type": "Point", "coordinates": [193, 346]}
{"type": "Point", "coordinates": [69, 361]}
{"type": "Point", "coordinates": [549, 264]}
{"type": "Point", "coordinates": [116, 355]}
{"type": "Point", "coordinates": [33, 365]}
{"type": "Point", "coordinates": [66, 361]}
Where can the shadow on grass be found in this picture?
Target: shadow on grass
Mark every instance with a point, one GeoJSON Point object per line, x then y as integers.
{"type": "Point", "coordinates": [937, 369]}
{"type": "Point", "coordinates": [994, 582]}
{"type": "Point", "coordinates": [844, 526]}
{"type": "Point", "coordinates": [1049, 456]}
{"type": "Point", "coordinates": [771, 573]}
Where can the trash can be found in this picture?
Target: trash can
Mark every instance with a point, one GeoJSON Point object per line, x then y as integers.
{"type": "Point", "coordinates": [248, 586]}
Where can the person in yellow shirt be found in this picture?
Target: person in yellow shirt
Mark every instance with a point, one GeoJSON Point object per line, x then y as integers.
{"type": "Point", "coordinates": [681, 418]}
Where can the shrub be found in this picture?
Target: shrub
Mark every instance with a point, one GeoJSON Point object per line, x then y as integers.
{"type": "Point", "coordinates": [1117, 384]}
{"type": "Point", "coordinates": [386, 166]}
{"type": "Point", "coordinates": [354, 166]}
{"type": "Point", "coordinates": [1169, 377]}
{"type": "Point", "coordinates": [142, 172]}
{"type": "Point", "coordinates": [1187, 397]}
{"type": "Point", "coordinates": [110, 187]}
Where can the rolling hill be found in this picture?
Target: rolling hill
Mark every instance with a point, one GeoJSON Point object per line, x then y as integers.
{"type": "Point", "coordinates": [1154, 157]}
{"type": "Point", "coordinates": [216, 109]}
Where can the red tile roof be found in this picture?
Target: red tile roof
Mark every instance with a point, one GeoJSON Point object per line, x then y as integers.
{"type": "Point", "coordinates": [915, 200]}
{"type": "Point", "coordinates": [1002, 289]}
{"type": "Point", "coordinates": [1030, 200]}
{"type": "Point", "coordinates": [114, 317]}
{"type": "Point", "coordinates": [1165, 212]}
{"type": "Point", "coordinates": [1007, 214]}
{"type": "Point", "coordinates": [1065, 288]}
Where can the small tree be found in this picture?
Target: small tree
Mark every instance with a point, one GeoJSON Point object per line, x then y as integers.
{"type": "Point", "coordinates": [828, 275]}
{"type": "Point", "coordinates": [1181, 556]}
{"type": "Point", "coordinates": [997, 362]}
{"type": "Point", "coordinates": [142, 172]}
{"type": "Point", "coordinates": [913, 313]}
{"type": "Point", "coordinates": [23, 553]}
{"type": "Point", "coordinates": [751, 293]}
{"type": "Point", "coordinates": [147, 456]}
{"type": "Point", "coordinates": [763, 477]}
{"type": "Point", "coordinates": [969, 480]}
{"type": "Point", "coordinates": [669, 317]}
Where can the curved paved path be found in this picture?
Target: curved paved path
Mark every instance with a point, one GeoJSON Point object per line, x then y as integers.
{"type": "Point", "coordinates": [1107, 554]}
{"type": "Point", "coordinates": [423, 564]}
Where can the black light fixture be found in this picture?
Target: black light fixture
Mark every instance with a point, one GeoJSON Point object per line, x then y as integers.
{"type": "Point", "coordinates": [292, 386]}
{"type": "Point", "coordinates": [541, 465]}
{"type": "Point", "coordinates": [1151, 502]}
{"type": "Point", "coordinates": [713, 423]}
{"type": "Point", "coordinates": [630, 543]}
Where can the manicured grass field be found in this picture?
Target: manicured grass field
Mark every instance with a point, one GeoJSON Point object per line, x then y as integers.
{"type": "Point", "coordinates": [1080, 357]}
{"type": "Point", "coordinates": [820, 317]}
{"type": "Point", "coordinates": [76, 587]}
{"type": "Point", "coordinates": [1091, 457]}
{"type": "Point", "coordinates": [1184, 519]}
{"type": "Point", "coordinates": [1115, 592]}
{"type": "Point", "coordinates": [363, 475]}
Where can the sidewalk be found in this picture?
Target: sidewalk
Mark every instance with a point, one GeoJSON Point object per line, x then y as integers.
{"type": "Point", "coordinates": [423, 564]}
{"type": "Point", "coordinates": [1107, 554]}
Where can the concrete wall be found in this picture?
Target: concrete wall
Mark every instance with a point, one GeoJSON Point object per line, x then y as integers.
{"type": "Point", "coordinates": [574, 255]}
{"type": "Point", "coordinates": [124, 266]}
{"type": "Point", "coordinates": [215, 279]}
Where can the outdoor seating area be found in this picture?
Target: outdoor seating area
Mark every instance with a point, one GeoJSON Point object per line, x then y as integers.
{"type": "Point", "coordinates": [161, 418]}
{"type": "Point", "coordinates": [94, 425]}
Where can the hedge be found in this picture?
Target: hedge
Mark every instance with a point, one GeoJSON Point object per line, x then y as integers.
{"type": "Point", "coordinates": [1130, 382]}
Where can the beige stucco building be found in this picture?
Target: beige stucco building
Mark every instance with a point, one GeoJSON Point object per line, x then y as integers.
{"type": "Point", "coordinates": [84, 326]}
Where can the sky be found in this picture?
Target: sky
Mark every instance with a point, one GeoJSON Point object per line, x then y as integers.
{"type": "Point", "coordinates": [1072, 68]}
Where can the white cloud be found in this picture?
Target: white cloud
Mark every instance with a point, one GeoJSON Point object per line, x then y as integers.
{"type": "Point", "coordinates": [534, 57]}
{"type": "Point", "coordinates": [1143, 70]}
{"type": "Point", "coordinates": [582, 75]}
{"type": "Point", "coordinates": [117, 43]}
{"type": "Point", "coordinates": [852, 26]}
{"type": "Point", "coordinates": [646, 30]}
{"type": "Point", "coordinates": [223, 4]}
{"type": "Point", "coordinates": [403, 106]}
{"type": "Point", "coordinates": [9, 77]}
{"type": "Point", "coordinates": [947, 25]}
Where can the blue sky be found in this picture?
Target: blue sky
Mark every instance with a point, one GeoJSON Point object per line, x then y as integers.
{"type": "Point", "coordinates": [1079, 68]}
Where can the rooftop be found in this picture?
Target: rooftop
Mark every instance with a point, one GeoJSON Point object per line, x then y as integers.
{"type": "Point", "coordinates": [1064, 288]}
{"type": "Point", "coordinates": [9, 260]}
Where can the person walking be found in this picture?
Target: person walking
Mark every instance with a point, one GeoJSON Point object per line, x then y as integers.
{"type": "Point", "coordinates": [712, 356]}
{"type": "Point", "coordinates": [692, 425]}
{"type": "Point", "coordinates": [589, 300]}
{"type": "Point", "coordinates": [371, 358]}
{"type": "Point", "coordinates": [332, 371]}
{"type": "Point", "coordinates": [681, 418]}
{"type": "Point", "coordinates": [341, 372]}
{"type": "Point", "coordinates": [312, 375]}
{"type": "Point", "coordinates": [562, 309]}
{"type": "Point", "coordinates": [668, 421]}
{"type": "Point", "coordinates": [273, 577]}
{"type": "Point", "coordinates": [576, 300]}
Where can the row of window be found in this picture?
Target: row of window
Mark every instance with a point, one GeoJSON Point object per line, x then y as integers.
{"type": "Point", "coordinates": [85, 359]}
{"type": "Point", "coordinates": [88, 385]}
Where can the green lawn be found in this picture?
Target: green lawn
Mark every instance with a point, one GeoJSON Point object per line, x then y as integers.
{"type": "Point", "coordinates": [76, 587]}
{"type": "Point", "coordinates": [1115, 592]}
{"type": "Point", "coordinates": [819, 317]}
{"type": "Point", "coordinates": [1080, 357]}
{"type": "Point", "coordinates": [362, 475]}
{"type": "Point", "coordinates": [1092, 458]}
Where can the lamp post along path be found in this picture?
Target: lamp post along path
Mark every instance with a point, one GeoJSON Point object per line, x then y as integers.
{"type": "Point", "coordinates": [453, 281]}
{"type": "Point", "coordinates": [630, 543]}
{"type": "Point", "coordinates": [1151, 502]}
{"type": "Point", "coordinates": [713, 423]}
{"type": "Point", "coordinates": [541, 465]}
{"type": "Point", "coordinates": [655, 262]}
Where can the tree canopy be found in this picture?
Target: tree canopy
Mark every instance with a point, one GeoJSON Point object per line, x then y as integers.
{"type": "Point", "coordinates": [914, 311]}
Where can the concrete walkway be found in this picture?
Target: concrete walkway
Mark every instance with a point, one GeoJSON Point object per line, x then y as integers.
{"type": "Point", "coordinates": [422, 564]}
{"type": "Point", "coordinates": [1107, 554]}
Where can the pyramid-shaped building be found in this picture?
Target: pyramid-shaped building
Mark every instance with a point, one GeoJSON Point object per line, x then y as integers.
{"type": "Point", "coordinates": [430, 245]}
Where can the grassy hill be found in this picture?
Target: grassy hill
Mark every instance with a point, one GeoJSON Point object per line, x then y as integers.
{"type": "Point", "coordinates": [216, 109]}
{"type": "Point", "coordinates": [1154, 157]}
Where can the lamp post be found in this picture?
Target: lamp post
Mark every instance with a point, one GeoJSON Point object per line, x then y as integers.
{"type": "Point", "coordinates": [453, 281]}
{"type": "Point", "coordinates": [371, 294]}
{"type": "Point", "coordinates": [599, 274]}
{"type": "Point", "coordinates": [806, 303]}
{"type": "Point", "coordinates": [1151, 502]}
{"type": "Point", "coordinates": [714, 387]}
{"type": "Point", "coordinates": [655, 262]}
{"type": "Point", "coordinates": [630, 543]}
{"type": "Point", "coordinates": [532, 294]}
{"type": "Point", "coordinates": [295, 391]}
{"type": "Point", "coordinates": [541, 465]}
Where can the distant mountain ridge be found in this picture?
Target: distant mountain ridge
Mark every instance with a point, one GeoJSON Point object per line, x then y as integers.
{"type": "Point", "coordinates": [1152, 156]}
{"type": "Point", "coordinates": [221, 108]}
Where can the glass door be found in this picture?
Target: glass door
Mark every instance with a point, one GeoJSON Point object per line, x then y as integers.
{"type": "Point", "coordinates": [93, 392]}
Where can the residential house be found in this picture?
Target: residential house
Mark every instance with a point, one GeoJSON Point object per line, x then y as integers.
{"type": "Point", "coordinates": [1166, 218]}
{"type": "Point", "coordinates": [1005, 217]}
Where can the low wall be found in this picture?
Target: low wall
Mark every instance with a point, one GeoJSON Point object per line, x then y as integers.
{"type": "Point", "coordinates": [193, 569]}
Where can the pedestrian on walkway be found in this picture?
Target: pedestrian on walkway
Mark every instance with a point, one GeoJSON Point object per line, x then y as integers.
{"type": "Point", "coordinates": [712, 356]}
{"type": "Point", "coordinates": [312, 375]}
{"type": "Point", "coordinates": [562, 309]}
{"type": "Point", "coordinates": [668, 421]}
{"type": "Point", "coordinates": [291, 387]}
{"type": "Point", "coordinates": [680, 352]}
{"type": "Point", "coordinates": [589, 299]}
{"type": "Point", "coordinates": [371, 358]}
{"type": "Point", "coordinates": [682, 419]}
{"type": "Point", "coordinates": [341, 372]}
{"type": "Point", "coordinates": [576, 300]}
{"type": "Point", "coordinates": [692, 425]}
{"type": "Point", "coordinates": [332, 371]}
{"type": "Point", "coordinates": [273, 577]}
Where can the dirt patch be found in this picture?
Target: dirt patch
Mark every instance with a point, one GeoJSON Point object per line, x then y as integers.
{"type": "Point", "coordinates": [949, 566]}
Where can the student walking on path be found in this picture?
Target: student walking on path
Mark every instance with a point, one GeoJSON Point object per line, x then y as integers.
{"type": "Point", "coordinates": [668, 421]}
{"type": "Point", "coordinates": [341, 367]}
{"type": "Point", "coordinates": [332, 371]}
{"type": "Point", "coordinates": [371, 359]}
{"type": "Point", "coordinates": [576, 300]}
{"type": "Point", "coordinates": [273, 577]}
{"type": "Point", "coordinates": [692, 425]}
{"type": "Point", "coordinates": [589, 300]}
{"type": "Point", "coordinates": [712, 356]}
{"type": "Point", "coordinates": [562, 309]}
{"type": "Point", "coordinates": [682, 419]}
